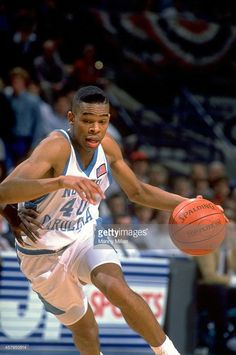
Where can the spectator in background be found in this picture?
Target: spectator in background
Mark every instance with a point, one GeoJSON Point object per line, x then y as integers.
{"type": "Point", "coordinates": [158, 176]}
{"type": "Point", "coordinates": [139, 162]}
{"type": "Point", "coordinates": [199, 178]}
{"type": "Point", "coordinates": [25, 43]}
{"type": "Point", "coordinates": [7, 122]}
{"type": "Point", "coordinates": [117, 204]}
{"type": "Point", "coordinates": [126, 245]}
{"type": "Point", "coordinates": [198, 171]}
{"type": "Point", "coordinates": [216, 170]}
{"type": "Point", "coordinates": [230, 205]}
{"type": "Point", "coordinates": [221, 190]}
{"type": "Point", "coordinates": [58, 118]}
{"type": "Point", "coordinates": [142, 214]}
{"type": "Point", "coordinates": [183, 185]}
{"type": "Point", "coordinates": [50, 70]}
{"type": "Point", "coordinates": [27, 131]}
{"type": "Point", "coordinates": [46, 110]}
{"type": "Point", "coordinates": [216, 290]}
{"type": "Point", "coordinates": [87, 70]}
{"type": "Point", "coordinates": [141, 218]}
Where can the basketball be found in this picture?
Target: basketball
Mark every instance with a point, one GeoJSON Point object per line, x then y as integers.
{"type": "Point", "coordinates": [197, 226]}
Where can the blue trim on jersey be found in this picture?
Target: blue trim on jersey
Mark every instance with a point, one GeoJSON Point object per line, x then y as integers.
{"type": "Point", "coordinates": [33, 203]}
{"type": "Point", "coordinates": [18, 258]}
{"type": "Point", "coordinates": [49, 307]}
{"type": "Point", "coordinates": [66, 167]}
{"type": "Point", "coordinates": [91, 165]}
{"type": "Point", "coordinates": [38, 251]}
{"type": "Point", "coordinates": [109, 173]}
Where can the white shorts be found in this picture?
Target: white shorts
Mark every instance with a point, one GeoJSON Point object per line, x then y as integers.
{"type": "Point", "coordinates": [56, 277]}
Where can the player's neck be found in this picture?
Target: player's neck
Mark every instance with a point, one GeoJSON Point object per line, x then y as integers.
{"type": "Point", "coordinates": [84, 155]}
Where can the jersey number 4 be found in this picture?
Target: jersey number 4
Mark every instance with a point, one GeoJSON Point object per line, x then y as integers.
{"type": "Point", "coordinates": [68, 208]}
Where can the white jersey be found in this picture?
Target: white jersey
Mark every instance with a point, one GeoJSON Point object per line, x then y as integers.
{"type": "Point", "coordinates": [64, 216]}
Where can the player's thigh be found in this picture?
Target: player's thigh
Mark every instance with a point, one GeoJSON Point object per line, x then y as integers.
{"type": "Point", "coordinates": [109, 279]}
{"type": "Point", "coordinates": [94, 258]}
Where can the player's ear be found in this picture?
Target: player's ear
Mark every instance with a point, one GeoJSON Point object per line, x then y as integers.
{"type": "Point", "coordinates": [70, 117]}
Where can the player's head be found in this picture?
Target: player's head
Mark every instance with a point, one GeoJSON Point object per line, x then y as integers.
{"type": "Point", "coordinates": [89, 117]}
{"type": "Point", "coordinates": [90, 95]}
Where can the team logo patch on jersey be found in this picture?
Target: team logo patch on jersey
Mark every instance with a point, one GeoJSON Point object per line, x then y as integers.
{"type": "Point", "coordinates": [101, 170]}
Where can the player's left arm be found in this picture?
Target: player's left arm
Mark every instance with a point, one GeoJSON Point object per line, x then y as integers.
{"type": "Point", "coordinates": [136, 190]}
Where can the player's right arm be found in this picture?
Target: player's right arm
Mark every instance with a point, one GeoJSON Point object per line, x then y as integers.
{"type": "Point", "coordinates": [41, 173]}
{"type": "Point", "coordinates": [24, 189]}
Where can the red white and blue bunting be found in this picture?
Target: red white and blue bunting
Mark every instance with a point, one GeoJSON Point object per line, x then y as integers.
{"type": "Point", "coordinates": [156, 39]}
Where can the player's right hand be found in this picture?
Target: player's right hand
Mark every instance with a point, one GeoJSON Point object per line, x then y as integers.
{"type": "Point", "coordinates": [86, 188]}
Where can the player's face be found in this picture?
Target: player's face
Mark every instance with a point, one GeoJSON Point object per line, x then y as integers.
{"type": "Point", "coordinates": [89, 124]}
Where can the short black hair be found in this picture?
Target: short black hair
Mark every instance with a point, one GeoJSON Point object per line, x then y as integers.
{"type": "Point", "coordinates": [89, 94]}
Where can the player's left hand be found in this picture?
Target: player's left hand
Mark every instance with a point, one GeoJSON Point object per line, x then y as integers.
{"type": "Point", "coordinates": [22, 221]}
{"type": "Point", "coordinates": [220, 208]}
{"type": "Point", "coordinates": [28, 225]}
{"type": "Point", "coordinates": [86, 188]}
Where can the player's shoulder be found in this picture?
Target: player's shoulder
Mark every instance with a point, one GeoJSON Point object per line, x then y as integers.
{"type": "Point", "coordinates": [111, 148]}
{"type": "Point", "coordinates": [57, 136]}
{"type": "Point", "coordinates": [56, 142]}
{"type": "Point", "coordinates": [109, 143]}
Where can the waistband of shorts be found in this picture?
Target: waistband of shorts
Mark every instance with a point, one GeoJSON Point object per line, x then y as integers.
{"type": "Point", "coordinates": [39, 251]}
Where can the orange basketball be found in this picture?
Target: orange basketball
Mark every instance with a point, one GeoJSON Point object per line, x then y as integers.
{"type": "Point", "coordinates": [197, 226]}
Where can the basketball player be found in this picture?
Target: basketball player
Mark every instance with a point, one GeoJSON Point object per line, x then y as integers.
{"type": "Point", "coordinates": [62, 258]}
